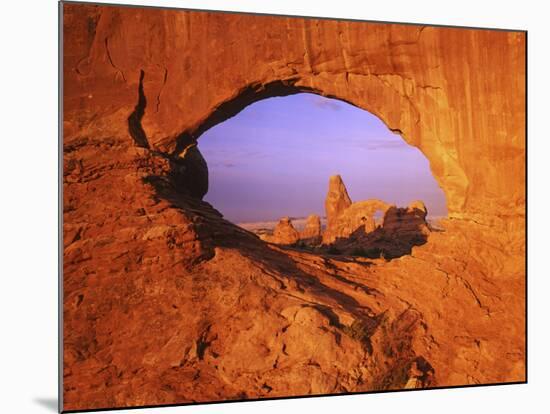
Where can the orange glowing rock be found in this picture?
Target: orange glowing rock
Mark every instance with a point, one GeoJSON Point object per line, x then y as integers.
{"type": "Point", "coordinates": [166, 302]}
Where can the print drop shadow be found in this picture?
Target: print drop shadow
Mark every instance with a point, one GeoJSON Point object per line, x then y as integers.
{"type": "Point", "coordinates": [50, 404]}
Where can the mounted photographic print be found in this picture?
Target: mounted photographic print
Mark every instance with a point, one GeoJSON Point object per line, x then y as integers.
{"type": "Point", "coordinates": [267, 206]}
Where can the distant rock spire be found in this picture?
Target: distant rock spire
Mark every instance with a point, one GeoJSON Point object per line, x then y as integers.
{"type": "Point", "coordinates": [337, 198]}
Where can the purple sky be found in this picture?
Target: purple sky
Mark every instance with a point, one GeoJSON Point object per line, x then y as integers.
{"type": "Point", "coordinates": [275, 157]}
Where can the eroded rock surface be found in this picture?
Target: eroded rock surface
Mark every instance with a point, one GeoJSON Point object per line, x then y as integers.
{"type": "Point", "coordinates": [166, 302]}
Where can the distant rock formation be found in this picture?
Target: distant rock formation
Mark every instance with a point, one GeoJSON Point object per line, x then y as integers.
{"type": "Point", "coordinates": [402, 229]}
{"type": "Point", "coordinates": [356, 215]}
{"type": "Point", "coordinates": [337, 199]}
{"type": "Point", "coordinates": [352, 228]}
{"type": "Point", "coordinates": [284, 233]}
{"type": "Point", "coordinates": [406, 220]}
{"type": "Point", "coordinates": [312, 233]}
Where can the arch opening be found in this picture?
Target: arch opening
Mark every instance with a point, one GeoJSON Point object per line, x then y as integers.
{"type": "Point", "coordinates": [270, 163]}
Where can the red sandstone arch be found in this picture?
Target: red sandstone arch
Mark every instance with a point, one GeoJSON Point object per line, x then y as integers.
{"type": "Point", "coordinates": [472, 134]}
{"type": "Point", "coordinates": [130, 255]}
{"type": "Point", "coordinates": [245, 97]}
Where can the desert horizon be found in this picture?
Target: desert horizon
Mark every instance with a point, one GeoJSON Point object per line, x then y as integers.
{"type": "Point", "coordinates": [300, 221]}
